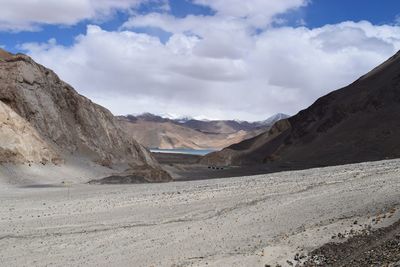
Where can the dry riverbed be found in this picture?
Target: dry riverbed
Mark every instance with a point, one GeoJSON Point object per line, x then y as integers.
{"type": "Point", "coordinates": [244, 221]}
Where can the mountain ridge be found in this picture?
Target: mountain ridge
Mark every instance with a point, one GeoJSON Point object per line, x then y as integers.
{"type": "Point", "coordinates": [357, 123]}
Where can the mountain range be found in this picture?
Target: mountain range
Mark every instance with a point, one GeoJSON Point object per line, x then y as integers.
{"type": "Point", "coordinates": [154, 131]}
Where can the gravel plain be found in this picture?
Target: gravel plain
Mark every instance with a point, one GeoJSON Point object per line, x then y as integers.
{"type": "Point", "coordinates": [243, 221]}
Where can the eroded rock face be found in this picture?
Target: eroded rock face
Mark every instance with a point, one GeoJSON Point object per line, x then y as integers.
{"type": "Point", "coordinates": [67, 121]}
{"type": "Point", "coordinates": [20, 142]}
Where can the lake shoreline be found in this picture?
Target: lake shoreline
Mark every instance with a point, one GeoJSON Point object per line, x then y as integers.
{"type": "Point", "coordinates": [199, 152]}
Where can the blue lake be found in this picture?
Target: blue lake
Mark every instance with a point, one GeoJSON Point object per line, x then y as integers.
{"type": "Point", "coordinates": [200, 152]}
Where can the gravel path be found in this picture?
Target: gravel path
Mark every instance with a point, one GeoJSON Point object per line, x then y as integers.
{"type": "Point", "coordinates": [243, 221]}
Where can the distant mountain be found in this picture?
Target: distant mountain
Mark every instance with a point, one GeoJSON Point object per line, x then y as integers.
{"type": "Point", "coordinates": [218, 127]}
{"type": "Point", "coordinates": [169, 135]}
{"type": "Point", "coordinates": [358, 123]}
{"type": "Point", "coordinates": [154, 131]}
{"type": "Point", "coordinates": [232, 126]}
{"type": "Point", "coordinates": [145, 117]}
{"type": "Point", "coordinates": [277, 117]}
{"type": "Point", "coordinates": [44, 120]}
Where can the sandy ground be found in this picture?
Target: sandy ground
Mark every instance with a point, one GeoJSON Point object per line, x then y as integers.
{"type": "Point", "coordinates": [242, 221]}
{"type": "Point", "coordinates": [75, 170]}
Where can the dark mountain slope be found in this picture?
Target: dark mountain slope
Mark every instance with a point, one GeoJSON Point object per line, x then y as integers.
{"type": "Point", "coordinates": [360, 122]}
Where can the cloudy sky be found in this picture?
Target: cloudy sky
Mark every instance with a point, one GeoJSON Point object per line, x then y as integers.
{"type": "Point", "coordinates": [217, 59]}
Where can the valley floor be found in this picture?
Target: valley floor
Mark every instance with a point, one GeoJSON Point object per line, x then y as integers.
{"type": "Point", "coordinates": [242, 221]}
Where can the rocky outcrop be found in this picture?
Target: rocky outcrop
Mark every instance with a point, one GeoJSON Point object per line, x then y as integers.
{"type": "Point", "coordinates": [358, 123]}
{"type": "Point", "coordinates": [70, 123]}
{"type": "Point", "coordinates": [139, 174]}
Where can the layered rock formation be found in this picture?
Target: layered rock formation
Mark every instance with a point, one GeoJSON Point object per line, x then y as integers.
{"type": "Point", "coordinates": [70, 124]}
{"type": "Point", "coordinates": [358, 123]}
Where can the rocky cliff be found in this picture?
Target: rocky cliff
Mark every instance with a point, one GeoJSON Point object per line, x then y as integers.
{"type": "Point", "coordinates": [70, 124]}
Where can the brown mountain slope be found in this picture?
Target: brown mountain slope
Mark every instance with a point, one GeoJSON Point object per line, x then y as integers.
{"type": "Point", "coordinates": [154, 131]}
{"type": "Point", "coordinates": [360, 122]}
{"type": "Point", "coordinates": [65, 120]}
{"type": "Point", "coordinates": [168, 135]}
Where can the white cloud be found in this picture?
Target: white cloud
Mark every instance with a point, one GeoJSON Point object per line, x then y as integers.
{"type": "Point", "coordinates": [232, 64]}
{"type": "Point", "coordinates": [17, 15]}
{"type": "Point", "coordinates": [234, 23]}
{"type": "Point", "coordinates": [280, 70]}
{"type": "Point", "coordinates": [217, 34]}
{"type": "Point", "coordinates": [257, 12]}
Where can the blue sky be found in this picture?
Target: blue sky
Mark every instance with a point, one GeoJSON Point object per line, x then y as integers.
{"type": "Point", "coordinates": [322, 12]}
{"type": "Point", "coordinates": [65, 34]}
{"type": "Point", "coordinates": [217, 59]}
{"type": "Point", "coordinates": [315, 14]}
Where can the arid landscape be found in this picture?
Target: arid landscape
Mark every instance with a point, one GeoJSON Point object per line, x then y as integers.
{"type": "Point", "coordinates": [154, 133]}
{"type": "Point", "coordinates": [83, 195]}
{"type": "Point", "coordinates": [243, 221]}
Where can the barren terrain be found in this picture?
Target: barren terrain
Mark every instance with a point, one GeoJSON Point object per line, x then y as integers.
{"type": "Point", "coordinates": [243, 221]}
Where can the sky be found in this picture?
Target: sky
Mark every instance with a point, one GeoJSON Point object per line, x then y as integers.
{"type": "Point", "coordinates": [214, 59]}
